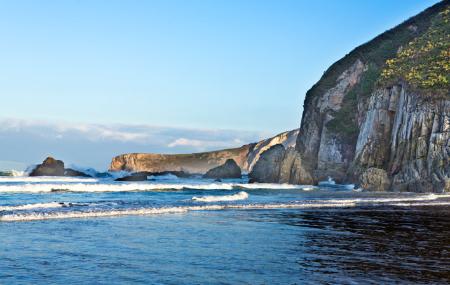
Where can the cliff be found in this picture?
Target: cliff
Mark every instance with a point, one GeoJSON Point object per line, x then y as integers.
{"type": "Point", "coordinates": [379, 117]}
{"type": "Point", "coordinates": [245, 157]}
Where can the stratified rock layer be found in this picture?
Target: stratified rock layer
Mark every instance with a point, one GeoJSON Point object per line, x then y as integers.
{"type": "Point", "coordinates": [245, 157]}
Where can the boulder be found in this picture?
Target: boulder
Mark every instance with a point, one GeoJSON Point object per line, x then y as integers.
{"type": "Point", "coordinates": [133, 177]}
{"type": "Point", "coordinates": [73, 172]}
{"type": "Point", "coordinates": [374, 179]}
{"type": "Point", "coordinates": [50, 167]}
{"type": "Point", "coordinates": [229, 169]}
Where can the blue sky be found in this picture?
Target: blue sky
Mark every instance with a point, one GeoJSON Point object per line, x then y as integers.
{"type": "Point", "coordinates": [203, 65]}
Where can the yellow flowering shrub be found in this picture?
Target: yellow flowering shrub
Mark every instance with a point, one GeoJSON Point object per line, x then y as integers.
{"type": "Point", "coordinates": [425, 61]}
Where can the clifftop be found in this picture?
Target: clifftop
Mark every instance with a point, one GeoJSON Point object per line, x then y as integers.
{"type": "Point", "coordinates": [245, 157]}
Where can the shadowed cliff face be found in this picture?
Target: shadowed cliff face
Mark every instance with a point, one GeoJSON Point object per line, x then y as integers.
{"type": "Point", "coordinates": [379, 117]}
{"type": "Point", "coordinates": [244, 156]}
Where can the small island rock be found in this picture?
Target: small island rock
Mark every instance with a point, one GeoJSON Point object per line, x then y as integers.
{"type": "Point", "coordinates": [49, 167]}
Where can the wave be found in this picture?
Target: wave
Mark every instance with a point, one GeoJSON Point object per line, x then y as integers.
{"type": "Point", "coordinates": [89, 186]}
{"type": "Point", "coordinates": [155, 211]}
{"type": "Point", "coordinates": [12, 173]}
{"type": "Point", "coordinates": [54, 179]}
{"type": "Point", "coordinates": [34, 206]}
{"type": "Point", "coordinates": [310, 205]}
{"type": "Point", "coordinates": [223, 198]}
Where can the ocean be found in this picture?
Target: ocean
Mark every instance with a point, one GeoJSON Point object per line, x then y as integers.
{"type": "Point", "coordinates": [57, 230]}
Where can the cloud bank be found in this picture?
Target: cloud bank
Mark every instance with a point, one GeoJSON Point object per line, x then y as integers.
{"type": "Point", "coordinates": [24, 142]}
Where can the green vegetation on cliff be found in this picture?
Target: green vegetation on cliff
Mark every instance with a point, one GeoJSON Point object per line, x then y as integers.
{"type": "Point", "coordinates": [424, 63]}
{"type": "Point", "coordinates": [416, 51]}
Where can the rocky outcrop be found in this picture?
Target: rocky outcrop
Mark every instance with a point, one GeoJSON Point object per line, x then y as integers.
{"type": "Point", "coordinates": [146, 175]}
{"type": "Point", "coordinates": [245, 157]}
{"type": "Point", "coordinates": [53, 167]}
{"type": "Point", "coordinates": [190, 163]}
{"type": "Point", "coordinates": [286, 139]}
{"type": "Point", "coordinates": [408, 135]}
{"type": "Point", "coordinates": [374, 179]}
{"type": "Point", "coordinates": [133, 177]}
{"type": "Point", "coordinates": [74, 173]}
{"type": "Point", "coordinates": [49, 167]}
{"type": "Point", "coordinates": [227, 170]}
{"type": "Point", "coordinates": [322, 149]}
{"type": "Point", "coordinates": [267, 168]}
{"type": "Point", "coordinates": [367, 121]}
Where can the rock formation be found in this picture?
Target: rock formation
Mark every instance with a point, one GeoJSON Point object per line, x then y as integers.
{"type": "Point", "coordinates": [49, 167]}
{"type": "Point", "coordinates": [227, 170]}
{"type": "Point", "coordinates": [245, 157]}
{"type": "Point", "coordinates": [379, 117]}
{"type": "Point", "coordinates": [53, 167]}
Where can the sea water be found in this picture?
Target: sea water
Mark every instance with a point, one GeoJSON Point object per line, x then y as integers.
{"type": "Point", "coordinates": [57, 230]}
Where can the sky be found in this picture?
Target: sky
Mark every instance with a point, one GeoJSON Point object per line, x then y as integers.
{"type": "Point", "coordinates": [163, 76]}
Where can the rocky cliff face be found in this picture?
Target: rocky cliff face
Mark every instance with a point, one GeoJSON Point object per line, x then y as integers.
{"type": "Point", "coordinates": [408, 136]}
{"type": "Point", "coordinates": [379, 117]}
{"type": "Point", "coordinates": [245, 157]}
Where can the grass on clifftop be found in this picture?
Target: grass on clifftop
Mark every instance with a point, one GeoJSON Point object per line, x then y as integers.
{"type": "Point", "coordinates": [420, 44]}
{"type": "Point", "coordinates": [424, 63]}
{"type": "Point", "coordinates": [378, 50]}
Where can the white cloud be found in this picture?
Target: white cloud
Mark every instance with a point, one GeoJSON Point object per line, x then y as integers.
{"type": "Point", "coordinates": [29, 141]}
{"type": "Point", "coordinates": [204, 144]}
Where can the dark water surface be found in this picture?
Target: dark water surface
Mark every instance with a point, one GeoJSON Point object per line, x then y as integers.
{"type": "Point", "coordinates": [230, 247]}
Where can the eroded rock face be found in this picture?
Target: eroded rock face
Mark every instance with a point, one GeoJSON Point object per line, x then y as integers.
{"type": "Point", "coordinates": [267, 168]}
{"type": "Point", "coordinates": [374, 179]}
{"type": "Point", "coordinates": [199, 163]}
{"type": "Point", "coordinates": [319, 147]}
{"type": "Point", "coordinates": [228, 170]}
{"type": "Point", "coordinates": [49, 167]}
{"type": "Point", "coordinates": [408, 135]}
{"type": "Point", "coordinates": [287, 139]}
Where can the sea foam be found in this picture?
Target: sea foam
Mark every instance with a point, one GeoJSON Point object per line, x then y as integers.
{"type": "Point", "coordinates": [32, 206]}
{"type": "Point", "coordinates": [222, 198]}
{"type": "Point", "coordinates": [307, 205]}
{"type": "Point", "coordinates": [93, 185]}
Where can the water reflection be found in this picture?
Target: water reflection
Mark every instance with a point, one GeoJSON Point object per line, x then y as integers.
{"type": "Point", "coordinates": [366, 245]}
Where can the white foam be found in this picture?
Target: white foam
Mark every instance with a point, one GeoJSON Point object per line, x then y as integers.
{"type": "Point", "coordinates": [53, 179]}
{"type": "Point", "coordinates": [311, 204]}
{"type": "Point", "coordinates": [164, 177]}
{"type": "Point", "coordinates": [32, 206]}
{"type": "Point", "coordinates": [105, 186]}
{"type": "Point", "coordinates": [165, 210]}
{"type": "Point", "coordinates": [442, 203]}
{"type": "Point", "coordinates": [222, 198]}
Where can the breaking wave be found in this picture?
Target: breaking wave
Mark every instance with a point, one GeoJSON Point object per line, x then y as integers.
{"type": "Point", "coordinates": [223, 198]}
{"type": "Point", "coordinates": [155, 211]}
{"type": "Point", "coordinates": [309, 204]}
{"type": "Point", "coordinates": [50, 205]}
{"type": "Point", "coordinates": [40, 179]}
{"type": "Point", "coordinates": [73, 186]}
{"type": "Point", "coordinates": [32, 206]}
